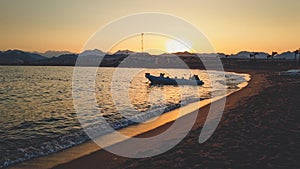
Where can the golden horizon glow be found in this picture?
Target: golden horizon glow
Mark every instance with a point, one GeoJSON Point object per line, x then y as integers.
{"type": "Point", "coordinates": [231, 26]}
{"type": "Point", "coordinates": [153, 44]}
{"type": "Point", "coordinates": [173, 46]}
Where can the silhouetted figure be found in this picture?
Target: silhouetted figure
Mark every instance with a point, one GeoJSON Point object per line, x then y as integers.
{"type": "Point", "coordinates": [253, 55]}
{"type": "Point", "coordinates": [273, 54]}
{"type": "Point", "coordinates": [296, 53]}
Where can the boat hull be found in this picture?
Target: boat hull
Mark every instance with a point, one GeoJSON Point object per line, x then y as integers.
{"type": "Point", "coordinates": [170, 81]}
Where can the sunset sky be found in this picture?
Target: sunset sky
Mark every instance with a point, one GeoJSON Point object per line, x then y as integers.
{"type": "Point", "coordinates": [230, 25]}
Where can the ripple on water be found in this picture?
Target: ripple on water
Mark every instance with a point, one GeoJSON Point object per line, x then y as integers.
{"type": "Point", "coordinates": [37, 113]}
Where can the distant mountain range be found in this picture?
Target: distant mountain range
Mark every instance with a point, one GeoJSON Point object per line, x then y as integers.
{"type": "Point", "coordinates": [95, 52]}
{"type": "Point", "coordinates": [18, 57]}
{"type": "Point", "coordinates": [51, 53]}
{"type": "Point", "coordinates": [59, 58]}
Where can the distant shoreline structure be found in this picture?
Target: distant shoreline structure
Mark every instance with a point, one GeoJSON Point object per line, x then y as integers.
{"type": "Point", "coordinates": [19, 57]}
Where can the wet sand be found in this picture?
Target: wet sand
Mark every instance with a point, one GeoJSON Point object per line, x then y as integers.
{"type": "Point", "coordinates": [259, 128]}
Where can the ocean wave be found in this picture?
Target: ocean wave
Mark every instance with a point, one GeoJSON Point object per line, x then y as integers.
{"type": "Point", "coordinates": [77, 137]}
{"type": "Point", "coordinates": [31, 131]}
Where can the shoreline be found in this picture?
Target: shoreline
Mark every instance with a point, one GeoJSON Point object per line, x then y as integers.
{"type": "Point", "coordinates": [108, 160]}
{"type": "Point", "coordinates": [89, 147]}
{"type": "Point", "coordinates": [258, 129]}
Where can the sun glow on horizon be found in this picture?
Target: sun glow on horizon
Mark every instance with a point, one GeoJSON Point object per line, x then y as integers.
{"type": "Point", "coordinates": [152, 43]}
{"type": "Point", "coordinates": [173, 46]}
{"type": "Point", "coordinates": [265, 26]}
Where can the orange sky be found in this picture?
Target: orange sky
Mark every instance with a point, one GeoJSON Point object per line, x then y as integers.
{"type": "Point", "coordinates": [230, 25]}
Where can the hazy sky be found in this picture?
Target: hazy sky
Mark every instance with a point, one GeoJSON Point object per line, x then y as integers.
{"type": "Point", "coordinates": [231, 25]}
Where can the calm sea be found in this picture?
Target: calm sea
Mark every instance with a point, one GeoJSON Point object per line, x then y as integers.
{"type": "Point", "coordinates": [37, 115]}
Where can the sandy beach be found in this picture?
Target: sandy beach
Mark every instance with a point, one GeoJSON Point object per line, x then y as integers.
{"type": "Point", "coordinates": [145, 84]}
{"type": "Point", "coordinates": [259, 128]}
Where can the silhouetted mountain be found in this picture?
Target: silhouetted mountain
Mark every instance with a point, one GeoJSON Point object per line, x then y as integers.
{"type": "Point", "coordinates": [95, 52]}
{"type": "Point", "coordinates": [62, 60]}
{"type": "Point", "coordinates": [93, 58]}
{"type": "Point", "coordinates": [124, 52]}
{"type": "Point", "coordinates": [87, 58]}
{"type": "Point", "coordinates": [51, 53]}
{"type": "Point", "coordinates": [246, 55]}
{"type": "Point", "coordinates": [286, 55]}
{"type": "Point", "coordinates": [166, 55]}
{"type": "Point", "coordinates": [185, 53]}
{"type": "Point", "coordinates": [18, 57]}
{"type": "Point", "coordinates": [222, 55]}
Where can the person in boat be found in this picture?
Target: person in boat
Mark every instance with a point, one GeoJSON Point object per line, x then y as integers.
{"type": "Point", "coordinates": [194, 77]}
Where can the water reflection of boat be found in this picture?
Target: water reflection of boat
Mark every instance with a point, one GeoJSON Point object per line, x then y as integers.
{"type": "Point", "coordinates": [162, 80]}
